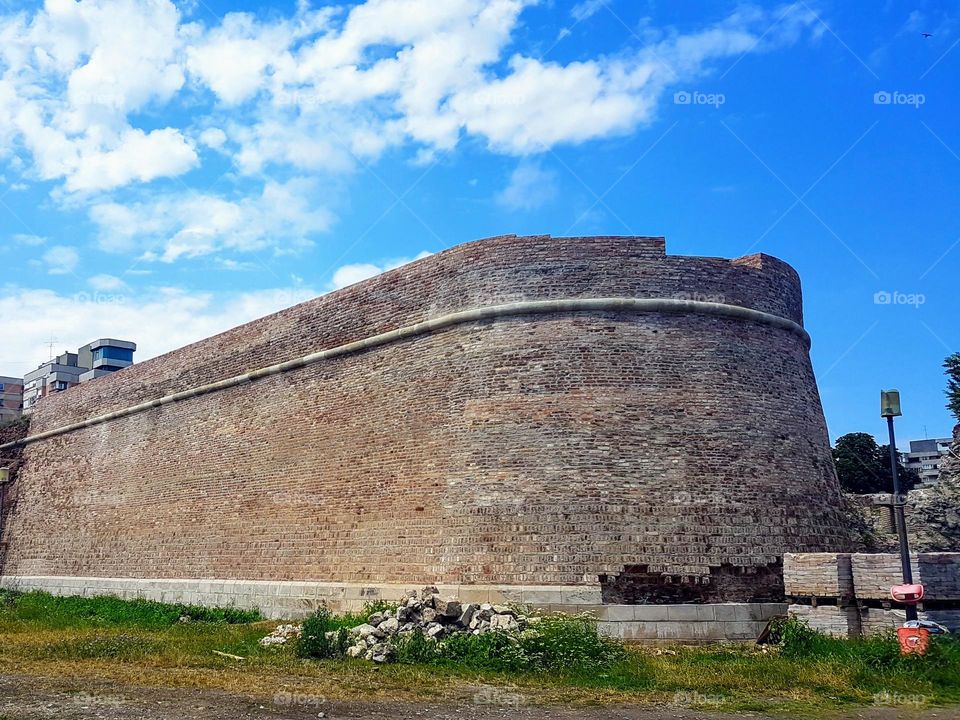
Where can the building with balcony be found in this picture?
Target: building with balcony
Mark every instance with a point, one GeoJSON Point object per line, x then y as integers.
{"type": "Point", "coordinates": [93, 360]}
{"type": "Point", "coordinates": [11, 398]}
{"type": "Point", "coordinates": [105, 356]}
{"type": "Point", "coordinates": [56, 375]}
{"type": "Point", "coordinates": [925, 457]}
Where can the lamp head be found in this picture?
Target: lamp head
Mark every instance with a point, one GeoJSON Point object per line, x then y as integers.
{"type": "Point", "coordinates": [890, 403]}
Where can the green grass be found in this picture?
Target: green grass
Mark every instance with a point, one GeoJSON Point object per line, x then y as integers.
{"type": "Point", "coordinates": [876, 662]}
{"type": "Point", "coordinates": [52, 611]}
{"type": "Point", "coordinates": [563, 660]}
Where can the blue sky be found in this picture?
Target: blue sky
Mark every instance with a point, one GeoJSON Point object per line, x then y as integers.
{"type": "Point", "coordinates": [169, 171]}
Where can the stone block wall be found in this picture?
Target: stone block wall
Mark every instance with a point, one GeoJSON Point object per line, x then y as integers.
{"type": "Point", "coordinates": [687, 624]}
{"type": "Point", "coordinates": [647, 624]}
{"type": "Point", "coordinates": [875, 574]}
{"type": "Point", "coordinates": [818, 575]}
{"type": "Point", "coordinates": [842, 621]}
{"type": "Point", "coordinates": [860, 602]}
{"type": "Point", "coordinates": [540, 449]}
{"type": "Point", "coordinates": [879, 619]}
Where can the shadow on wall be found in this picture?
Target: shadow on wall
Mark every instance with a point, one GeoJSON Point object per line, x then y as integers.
{"type": "Point", "coordinates": [11, 460]}
{"type": "Point", "coordinates": [636, 585]}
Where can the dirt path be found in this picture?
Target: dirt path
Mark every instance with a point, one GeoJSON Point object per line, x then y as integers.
{"type": "Point", "coordinates": [23, 697]}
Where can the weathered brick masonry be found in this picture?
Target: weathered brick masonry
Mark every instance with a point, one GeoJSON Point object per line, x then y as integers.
{"type": "Point", "coordinates": [536, 449]}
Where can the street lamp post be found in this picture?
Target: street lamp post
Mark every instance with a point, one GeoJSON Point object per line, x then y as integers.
{"type": "Point", "coordinates": [890, 408]}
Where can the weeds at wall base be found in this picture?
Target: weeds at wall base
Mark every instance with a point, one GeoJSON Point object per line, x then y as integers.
{"type": "Point", "coordinates": [109, 638]}
{"type": "Point", "coordinates": [104, 611]}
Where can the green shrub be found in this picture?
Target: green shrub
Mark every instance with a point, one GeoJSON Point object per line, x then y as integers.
{"type": "Point", "coordinates": [489, 651]}
{"type": "Point", "coordinates": [377, 606]}
{"type": "Point", "coordinates": [945, 650]}
{"type": "Point", "coordinates": [555, 643]}
{"type": "Point", "coordinates": [558, 642]}
{"type": "Point", "coordinates": [798, 640]}
{"type": "Point", "coordinates": [313, 641]}
{"type": "Point", "coordinates": [416, 649]}
{"type": "Point", "coordinates": [20, 422]}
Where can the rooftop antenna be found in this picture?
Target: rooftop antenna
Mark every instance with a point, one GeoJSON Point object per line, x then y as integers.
{"type": "Point", "coordinates": [926, 436]}
{"type": "Point", "coordinates": [53, 341]}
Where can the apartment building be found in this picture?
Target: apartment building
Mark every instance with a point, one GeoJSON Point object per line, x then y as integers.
{"type": "Point", "coordinates": [105, 356]}
{"type": "Point", "coordinates": [55, 375]}
{"type": "Point", "coordinates": [93, 360]}
{"type": "Point", "coordinates": [11, 398]}
{"type": "Point", "coordinates": [925, 457]}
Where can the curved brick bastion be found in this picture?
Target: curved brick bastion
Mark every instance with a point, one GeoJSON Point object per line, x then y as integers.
{"type": "Point", "coordinates": [578, 413]}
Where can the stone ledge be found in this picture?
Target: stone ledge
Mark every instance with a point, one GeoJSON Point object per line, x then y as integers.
{"type": "Point", "coordinates": [289, 600]}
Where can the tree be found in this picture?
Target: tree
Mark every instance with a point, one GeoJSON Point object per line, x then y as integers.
{"type": "Point", "coordinates": [855, 457]}
{"type": "Point", "coordinates": [952, 366]}
{"type": "Point", "coordinates": [909, 479]}
{"type": "Point", "coordinates": [864, 467]}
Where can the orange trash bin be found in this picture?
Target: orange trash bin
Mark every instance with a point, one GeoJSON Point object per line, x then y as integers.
{"type": "Point", "coordinates": [913, 640]}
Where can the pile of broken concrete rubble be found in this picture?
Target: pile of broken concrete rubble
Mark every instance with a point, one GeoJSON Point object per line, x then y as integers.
{"type": "Point", "coordinates": [428, 613]}
{"type": "Point", "coordinates": [281, 635]}
{"type": "Point", "coordinates": [435, 617]}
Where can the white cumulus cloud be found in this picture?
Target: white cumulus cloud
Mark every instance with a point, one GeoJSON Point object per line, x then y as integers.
{"type": "Point", "coordinates": [29, 240]}
{"type": "Point", "coordinates": [193, 224]}
{"type": "Point", "coordinates": [106, 283]}
{"type": "Point", "coordinates": [530, 187]}
{"type": "Point", "coordinates": [73, 73]}
{"type": "Point", "coordinates": [329, 82]}
{"type": "Point", "coordinates": [136, 156]}
{"type": "Point", "coordinates": [100, 97]}
{"type": "Point", "coordinates": [158, 320]}
{"type": "Point", "coordinates": [213, 137]}
{"type": "Point", "coordinates": [61, 260]}
{"type": "Point", "coordinates": [350, 274]}
{"type": "Point", "coordinates": [586, 9]}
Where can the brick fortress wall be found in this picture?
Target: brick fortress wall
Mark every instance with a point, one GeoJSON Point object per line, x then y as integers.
{"type": "Point", "coordinates": [547, 449]}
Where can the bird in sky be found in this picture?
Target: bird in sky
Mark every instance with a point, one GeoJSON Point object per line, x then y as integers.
{"type": "Point", "coordinates": [926, 35]}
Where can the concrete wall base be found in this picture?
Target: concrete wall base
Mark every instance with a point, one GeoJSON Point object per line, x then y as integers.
{"type": "Point", "coordinates": [853, 621]}
{"type": "Point", "coordinates": [878, 620]}
{"type": "Point", "coordinates": [687, 624]}
{"type": "Point", "coordinates": [835, 620]}
{"type": "Point", "coordinates": [662, 624]}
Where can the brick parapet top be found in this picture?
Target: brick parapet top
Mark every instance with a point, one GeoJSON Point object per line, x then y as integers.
{"type": "Point", "coordinates": [486, 272]}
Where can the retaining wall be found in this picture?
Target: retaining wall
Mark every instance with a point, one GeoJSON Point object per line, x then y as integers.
{"type": "Point", "coordinates": [672, 430]}
{"type": "Point", "coordinates": [650, 624]}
